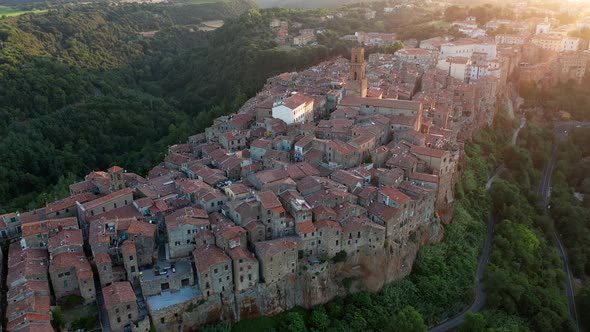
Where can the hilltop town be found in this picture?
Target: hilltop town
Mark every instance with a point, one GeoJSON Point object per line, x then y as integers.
{"type": "Point", "coordinates": [327, 181]}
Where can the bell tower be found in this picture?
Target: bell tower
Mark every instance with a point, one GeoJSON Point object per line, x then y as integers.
{"type": "Point", "coordinates": [356, 85]}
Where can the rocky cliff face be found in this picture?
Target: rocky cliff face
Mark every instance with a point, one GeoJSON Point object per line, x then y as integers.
{"type": "Point", "coordinates": [318, 283]}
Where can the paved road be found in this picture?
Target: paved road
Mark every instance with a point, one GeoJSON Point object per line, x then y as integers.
{"type": "Point", "coordinates": [544, 192]}
{"type": "Point", "coordinates": [480, 295]}
{"type": "Point", "coordinates": [515, 135]}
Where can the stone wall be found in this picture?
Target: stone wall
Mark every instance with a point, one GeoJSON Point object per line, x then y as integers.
{"type": "Point", "coordinates": [317, 284]}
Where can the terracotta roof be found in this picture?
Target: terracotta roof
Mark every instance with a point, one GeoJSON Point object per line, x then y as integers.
{"type": "Point", "coordinates": [126, 212]}
{"type": "Point", "coordinates": [297, 100]}
{"type": "Point", "coordinates": [115, 169]}
{"type": "Point", "coordinates": [383, 211]}
{"type": "Point", "coordinates": [187, 216]}
{"type": "Point", "coordinates": [385, 103]}
{"type": "Point", "coordinates": [354, 223]}
{"type": "Point", "coordinates": [238, 189]}
{"type": "Point", "coordinates": [414, 51]}
{"type": "Point", "coordinates": [230, 232]}
{"type": "Point", "coordinates": [207, 256]}
{"type": "Point", "coordinates": [28, 288]}
{"type": "Point", "coordinates": [346, 178]}
{"type": "Point", "coordinates": [305, 227]}
{"type": "Point", "coordinates": [268, 200]}
{"type": "Point", "coordinates": [458, 60]}
{"type": "Point", "coordinates": [276, 246]}
{"type": "Point", "coordinates": [42, 324]}
{"type": "Point", "coordinates": [140, 227]}
{"type": "Point", "coordinates": [128, 248]}
{"type": "Point", "coordinates": [66, 237]}
{"type": "Point", "coordinates": [69, 202]}
{"type": "Point", "coordinates": [395, 195]}
{"type": "Point", "coordinates": [271, 175]}
{"type": "Point", "coordinates": [342, 147]}
{"type": "Point", "coordinates": [424, 177]}
{"type": "Point", "coordinates": [102, 258]}
{"type": "Point", "coordinates": [117, 293]}
{"type": "Point", "coordinates": [105, 199]}
{"type": "Point", "coordinates": [327, 223]}
{"type": "Point", "coordinates": [424, 151]}
{"type": "Point", "coordinates": [76, 260]}
{"type": "Point", "coordinates": [240, 252]}
{"type": "Point", "coordinates": [301, 170]}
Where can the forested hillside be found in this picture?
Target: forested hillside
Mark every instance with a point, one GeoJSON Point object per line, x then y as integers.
{"type": "Point", "coordinates": [81, 89]}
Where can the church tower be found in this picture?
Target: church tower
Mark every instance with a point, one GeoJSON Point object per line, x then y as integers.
{"type": "Point", "coordinates": [356, 85]}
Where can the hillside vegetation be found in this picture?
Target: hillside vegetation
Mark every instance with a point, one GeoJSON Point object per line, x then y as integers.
{"type": "Point", "coordinates": [80, 89]}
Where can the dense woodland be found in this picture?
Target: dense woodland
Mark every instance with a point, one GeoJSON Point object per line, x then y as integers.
{"type": "Point", "coordinates": [80, 89]}
{"type": "Point", "coordinates": [572, 214]}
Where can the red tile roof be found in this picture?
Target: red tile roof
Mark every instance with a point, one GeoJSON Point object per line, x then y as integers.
{"type": "Point", "coordinates": [76, 260]}
{"type": "Point", "coordinates": [117, 293]}
{"type": "Point", "coordinates": [305, 227]}
{"type": "Point", "coordinates": [276, 246]}
{"type": "Point", "coordinates": [383, 211]}
{"type": "Point", "coordinates": [146, 229]}
{"type": "Point", "coordinates": [207, 256]}
{"type": "Point", "coordinates": [395, 195]}
{"type": "Point", "coordinates": [69, 202]}
{"type": "Point", "coordinates": [327, 223]}
{"type": "Point", "coordinates": [115, 169]}
{"type": "Point", "coordinates": [128, 248]}
{"type": "Point", "coordinates": [424, 177]}
{"type": "Point", "coordinates": [386, 103]}
{"type": "Point", "coordinates": [240, 252]}
{"type": "Point", "coordinates": [297, 100]}
{"type": "Point", "coordinates": [187, 216]}
{"type": "Point", "coordinates": [66, 237]}
{"type": "Point", "coordinates": [102, 258]}
{"type": "Point", "coordinates": [105, 199]}
{"type": "Point", "coordinates": [268, 200]}
{"type": "Point", "coordinates": [425, 151]}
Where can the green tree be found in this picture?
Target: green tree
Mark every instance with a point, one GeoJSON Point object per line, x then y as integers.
{"type": "Point", "coordinates": [320, 319]}
{"type": "Point", "coordinates": [294, 322]}
{"type": "Point", "coordinates": [408, 320]}
{"type": "Point", "coordinates": [58, 317]}
{"type": "Point", "coordinates": [392, 49]}
{"type": "Point", "coordinates": [583, 306]}
{"type": "Point", "coordinates": [474, 322]}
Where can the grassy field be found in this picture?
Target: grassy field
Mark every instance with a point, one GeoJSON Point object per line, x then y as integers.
{"type": "Point", "coordinates": [12, 11]}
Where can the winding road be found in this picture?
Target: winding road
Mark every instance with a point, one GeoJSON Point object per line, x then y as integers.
{"type": "Point", "coordinates": [480, 295]}
{"type": "Point", "coordinates": [561, 132]}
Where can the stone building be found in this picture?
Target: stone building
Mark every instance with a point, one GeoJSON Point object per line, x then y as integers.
{"type": "Point", "coordinates": [67, 240]}
{"type": "Point", "coordinates": [273, 215]}
{"type": "Point", "coordinates": [361, 233]}
{"type": "Point", "coordinates": [245, 269]}
{"type": "Point", "coordinates": [329, 241]}
{"type": "Point", "coordinates": [182, 226]}
{"type": "Point", "coordinates": [357, 82]}
{"type": "Point", "coordinates": [120, 303]}
{"type": "Point", "coordinates": [71, 274]}
{"type": "Point", "coordinates": [104, 204]}
{"type": "Point", "coordinates": [104, 267]}
{"type": "Point", "coordinates": [278, 258]}
{"type": "Point", "coordinates": [214, 270]}
{"type": "Point", "coordinates": [129, 255]}
{"type": "Point", "coordinates": [143, 234]}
